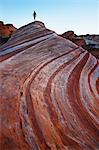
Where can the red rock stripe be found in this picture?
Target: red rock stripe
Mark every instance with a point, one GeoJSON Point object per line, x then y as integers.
{"type": "Point", "coordinates": [53, 114]}
{"type": "Point", "coordinates": [78, 108]}
{"type": "Point", "coordinates": [21, 41]}
{"type": "Point", "coordinates": [8, 55]}
{"type": "Point", "coordinates": [30, 109]}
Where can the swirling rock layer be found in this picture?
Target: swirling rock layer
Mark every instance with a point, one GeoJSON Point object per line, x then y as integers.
{"type": "Point", "coordinates": [48, 94]}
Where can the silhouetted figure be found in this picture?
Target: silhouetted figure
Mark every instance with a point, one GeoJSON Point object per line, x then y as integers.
{"type": "Point", "coordinates": [34, 15]}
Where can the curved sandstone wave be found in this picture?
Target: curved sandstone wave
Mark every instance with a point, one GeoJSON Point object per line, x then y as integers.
{"type": "Point", "coordinates": [49, 93]}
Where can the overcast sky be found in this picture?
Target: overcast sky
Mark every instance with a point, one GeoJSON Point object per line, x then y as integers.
{"type": "Point", "coordinates": [81, 16]}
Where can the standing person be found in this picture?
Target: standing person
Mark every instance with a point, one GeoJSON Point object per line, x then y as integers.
{"type": "Point", "coordinates": [34, 15]}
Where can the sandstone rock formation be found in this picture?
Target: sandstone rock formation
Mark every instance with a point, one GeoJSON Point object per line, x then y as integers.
{"type": "Point", "coordinates": [92, 44]}
{"type": "Point", "coordinates": [69, 35]}
{"type": "Point", "coordinates": [6, 31]}
{"type": "Point", "coordinates": [88, 42]}
{"type": "Point", "coordinates": [74, 38]}
{"type": "Point", "coordinates": [48, 94]}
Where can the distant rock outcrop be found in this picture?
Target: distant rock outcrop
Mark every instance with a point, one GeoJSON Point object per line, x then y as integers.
{"type": "Point", "coordinates": [69, 35]}
{"type": "Point", "coordinates": [6, 31]}
{"type": "Point", "coordinates": [92, 44]}
{"type": "Point", "coordinates": [74, 38]}
{"type": "Point", "coordinates": [48, 93]}
{"type": "Point", "coordinates": [88, 42]}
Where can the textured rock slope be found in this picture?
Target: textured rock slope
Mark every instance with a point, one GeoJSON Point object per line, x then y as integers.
{"type": "Point", "coordinates": [48, 94]}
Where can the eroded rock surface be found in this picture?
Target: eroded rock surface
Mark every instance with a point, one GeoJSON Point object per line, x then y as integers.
{"type": "Point", "coordinates": [6, 30]}
{"type": "Point", "coordinates": [88, 42]}
{"type": "Point", "coordinates": [48, 94]}
{"type": "Point", "coordinates": [74, 38]}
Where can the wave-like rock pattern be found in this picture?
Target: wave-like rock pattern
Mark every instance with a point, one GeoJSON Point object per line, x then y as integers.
{"type": "Point", "coordinates": [49, 93]}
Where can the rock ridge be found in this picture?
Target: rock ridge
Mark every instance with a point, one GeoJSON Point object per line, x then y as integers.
{"type": "Point", "coordinates": [48, 93]}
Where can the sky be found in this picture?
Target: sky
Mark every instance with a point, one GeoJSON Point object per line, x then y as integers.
{"type": "Point", "coordinates": [81, 16]}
